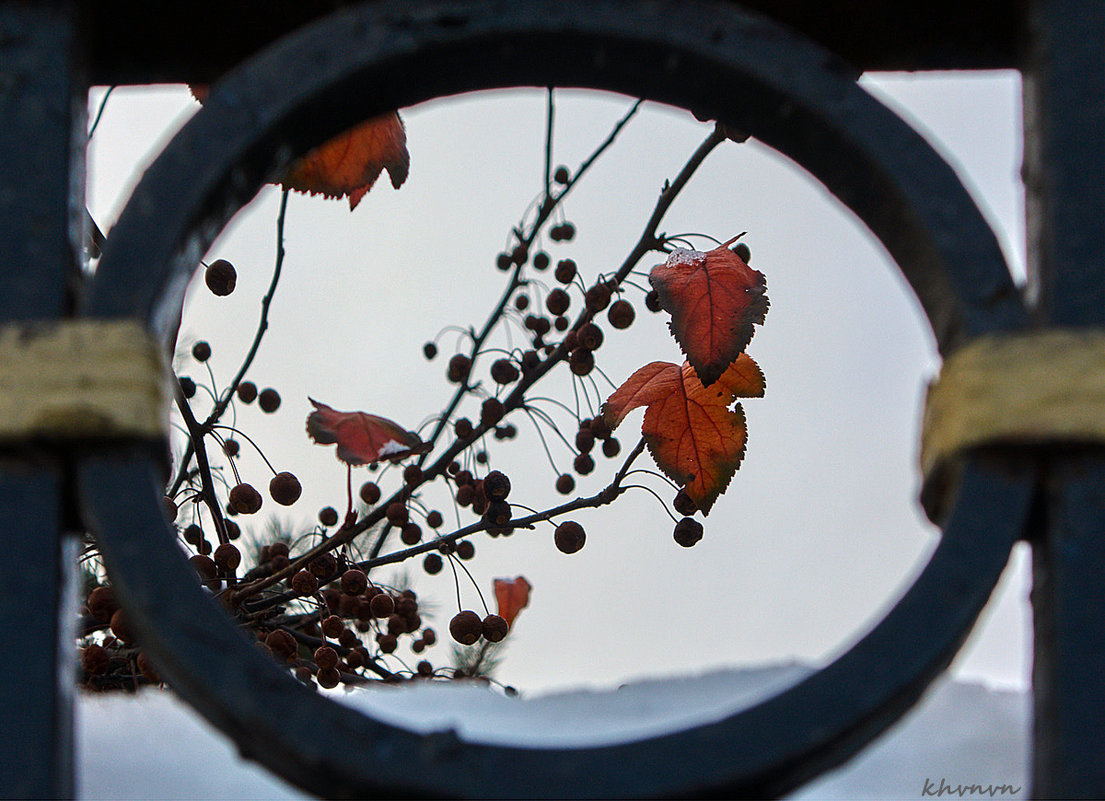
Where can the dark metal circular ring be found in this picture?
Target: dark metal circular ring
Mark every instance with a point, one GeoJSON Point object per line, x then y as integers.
{"type": "Point", "coordinates": [709, 57]}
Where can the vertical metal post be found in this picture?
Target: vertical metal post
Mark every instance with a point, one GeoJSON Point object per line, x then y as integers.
{"type": "Point", "coordinates": [1065, 182]}
{"type": "Point", "coordinates": [42, 134]}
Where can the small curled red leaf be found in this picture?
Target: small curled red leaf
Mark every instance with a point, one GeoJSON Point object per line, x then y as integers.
{"type": "Point", "coordinates": [362, 438]}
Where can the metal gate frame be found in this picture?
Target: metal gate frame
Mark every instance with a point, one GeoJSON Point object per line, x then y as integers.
{"type": "Point", "coordinates": [721, 62]}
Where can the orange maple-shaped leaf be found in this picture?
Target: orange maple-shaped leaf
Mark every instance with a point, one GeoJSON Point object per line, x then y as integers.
{"type": "Point", "coordinates": [349, 164]}
{"type": "Point", "coordinates": [691, 432]}
{"type": "Point", "coordinates": [362, 438]}
{"type": "Point", "coordinates": [714, 299]}
{"type": "Point", "coordinates": [512, 596]}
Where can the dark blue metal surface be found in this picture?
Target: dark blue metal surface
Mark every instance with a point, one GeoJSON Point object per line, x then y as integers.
{"type": "Point", "coordinates": [1065, 188]}
{"type": "Point", "coordinates": [42, 101]}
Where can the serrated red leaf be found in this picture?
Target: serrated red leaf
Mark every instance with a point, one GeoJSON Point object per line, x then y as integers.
{"type": "Point", "coordinates": [362, 438]}
{"type": "Point", "coordinates": [691, 432]}
{"type": "Point", "coordinates": [350, 163]}
{"type": "Point", "coordinates": [512, 596]}
{"type": "Point", "coordinates": [714, 299]}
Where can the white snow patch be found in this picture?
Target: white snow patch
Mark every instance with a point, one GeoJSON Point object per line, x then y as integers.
{"type": "Point", "coordinates": [684, 257]}
{"type": "Point", "coordinates": [154, 746]}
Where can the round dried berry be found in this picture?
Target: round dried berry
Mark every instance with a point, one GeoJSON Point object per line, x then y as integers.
{"type": "Point", "coordinates": [652, 301]}
{"type": "Point", "coordinates": [521, 302]}
{"type": "Point", "coordinates": [541, 261]}
{"type": "Point", "coordinates": [560, 175]}
{"type": "Point", "coordinates": [232, 529]}
{"type": "Point", "coordinates": [688, 531]}
{"type": "Point", "coordinates": [459, 367]}
{"type": "Point", "coordinates": [102, 604]}
{"type": "Point", "coordinates": [565, 271]}
{"type": "Point", "coordinates": [542, 326]}
{"type": "Point", "coordinates": [520, 254]}
{"type": "Point", "coordinates": [382, 605]}
{"type": "Point", "coordinates": [169, 505]}
{"type": "Point", "coordinates": [193, 534]}
{"type": "Point", "coordinates": [590, 337]}
{"type": "Point", "coordinates": [245, 499]}
{"type": "Point", "coordinates": [369, 493]}
{"type": "Point", "coordinates": [497, 514]}
{"type": "Point", "coordinates": [279, 548]}
{"type": "Point", "coordinates": [569, 537]}
{"type": "Point", "coordinates": [285, 488]}
{"type": "Point", "coordinates": [491, 411]}
{"type": "Point", "coordinates": [611, 447]}
{"type": "Point", "coordinates": [558, 301]}
{"type": "Point", "coordinates": [387, 643]}
{"type": "Point", "coordinates": [397, 514]}
{"type": "Point", "coordinates": [201, 351]}
{"type": "Point", "coordinates": [326, 657]}
{"type": "Point", "coordinates": [425, 668]}
{"type": "Point", "coordinates": [411, 534]}
{"type": "Point", "coordinates": [333, 626]}
{"type": "Point", "coordinates": [205, 566]}
{"type": "Point", "coordinates": [353, 581]}
{"type": "Point", "coordinates": [269, 400]}
{"type": "Point", "coordinates": [434, 519]}
{"type": "Point", "coordinates": [494, 628]}
{"type": "Point", "coordinates": [743, 252]}
{"type": "Point", "coordinates": [328, 516]}
{"type": "Point", "coordinates": [567, 231]}
{"type": "Point", "coordinates": [356, 658]}
{"type": "Point", "coordinates": [683, 503]}
{"type": "Point", "coordinates": [621, 314]}
{"type": "Point", "coordinates": [146, 668]}
{"type": "Point", "coordinates": [466, 493]}
{"type": "Point", "coordinates": [503, 262]}
{"type": "Point", "coordinates": [304, 583]}
{"type": "Point", "coordinates": [247, 392]}
{"type": "Point", "coordinates": [429, 350]}
{"type": "Point", "coordinates": [466, 627]}
{"type": "Point", "coordinates": [496, 485]}
{"type": "Point", "coordinates": [503, 371]}
{"type": "Point", "coordinates": [227, 557]}
{"type": "Point", "coordinates": [466, 549]}
{"type": "Point", "coordinates": [581, 361]}
{"type": "Point", "coordinates": [429, 636]}
{"type": "Point", "coordinates": [187, 386]}
{"type": "Point", "coordinates": [585, 440]}
{"type": "Point", "coordinates": [220, 277]}
{"type": "Point", "coordinates": [412, 474]}
{"type": "Point", "coordinates": [463, 428]}
{"type": "Point", "coordinates": [95, 660]}
{"type": "Point", "coordinates": [324, 565]}
{"type": "Point", "coordinates": [561, 323]}
{"type": "Point", "coordinates": [328, 678]}
{"type": "Point", "coordinates": [530, 360]}
{"type": "Point", "coordinates": [565, 484]}
{"type": "Point", "coordinates": [231, 447]}
{"type": "Point", "coordinates": [432, 564]}
{"type": "Point", "coordinates": [584, 464]}
{"type": "Point", "coordinates": [120, 627]}
{"type": "Point", "coordinates": [507, 431]}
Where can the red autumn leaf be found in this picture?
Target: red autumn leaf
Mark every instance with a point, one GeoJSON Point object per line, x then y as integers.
{"type": "Point", "coordinates": [691, 432]}
{"type": "Point", "coordinates": [350, 163]}
{"type": "Point", "coordinates": [714, 299]}
{"type": "Point", "coordinates": [362, 438]}
{"type": "Point", "coordinates": [512, 596]}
